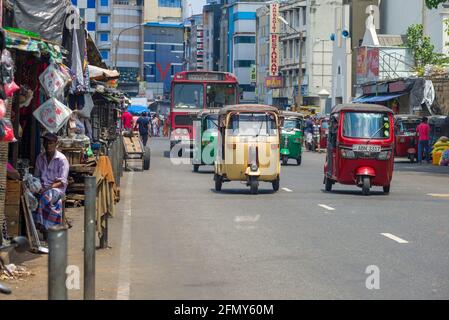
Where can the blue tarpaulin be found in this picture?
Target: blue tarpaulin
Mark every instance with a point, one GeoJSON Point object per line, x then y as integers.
{"type": "Point", "coordinates": [137, 110]}
{"type": "Point", "coordinates": [378, 98]}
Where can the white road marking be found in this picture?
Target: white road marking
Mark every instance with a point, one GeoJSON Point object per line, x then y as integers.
{"type": "Point", "coordinates": [239, 219]}
{"type": "Point", "coordinates": [326, 207]}
{"type": "Point", "coordinates": [245, 227]}
{"type": "Point", "coordinates": [287, 190]}
{"type": "Point", "coordinates": [438, 195]}
{"type": "Point", "coordinates": [393, 237]}
{"type": "Point", "coordinates": [123, 290]}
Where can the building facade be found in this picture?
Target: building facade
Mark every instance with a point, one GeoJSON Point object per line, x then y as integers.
{"type": "Point", "coordinates": [194, 50]}
{"type": "Point", "coordinates": [238, 44]}
{"type": "Point", "coordinates": [163, 55]}
{"type": "Point", "coordinates": [158, 10]}
{"type": "Point", "coordinates": [211, 32]}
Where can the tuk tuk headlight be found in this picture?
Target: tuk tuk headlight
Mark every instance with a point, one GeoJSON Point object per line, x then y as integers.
{"type": "Point", "coordinates": [181, 132]}
{"type": "Point", "coordinates": [254, 167]}
{"type": "Point", "coordinates": [348, 154]}
{"type": "Point", "coordinates": [384, 155]}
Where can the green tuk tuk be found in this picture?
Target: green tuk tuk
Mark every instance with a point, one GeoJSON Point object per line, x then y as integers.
{"type": "Point", "coordinates": [291, 136]}
{"type": "Point", "coordinates": [205, 130]}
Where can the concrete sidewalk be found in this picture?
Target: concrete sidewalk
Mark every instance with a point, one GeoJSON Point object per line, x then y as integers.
{"type": "Point", "coordinates": [35, 287]}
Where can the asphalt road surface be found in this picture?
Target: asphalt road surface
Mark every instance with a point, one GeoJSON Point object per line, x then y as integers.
{"type": "Point", "coordinates": [183, 240]}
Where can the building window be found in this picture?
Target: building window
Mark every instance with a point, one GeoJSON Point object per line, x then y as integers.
{"type": "Point", "coordinates": [75, 2]}
{"type": "Point", "coordinates": [243, 63]}
{"type": "Point", "coordinates": [104, 3]}
{"type": "Point", "coordinates": [104, 54]}
{"type": "Point", "coordinates": [91, 26]}
{"type": "Point", "coordinates": [172, 48]}
{"type": "Point", "coordinates": [148, 46]}
{"type": "Point", "coordinates": [290, 44]}
{"type": "Point", "coordinates": [83, 13]}
{"type": "Point", "coordinates": [244, 39]}
{"type": "Point", "coordinates": [173, 70]}
{"type": "Point", "coordinates": [304, 14]}
{"type": "Point", "coordinates": [104, 37]}
{"type": "Point", "coordinates": [104, 19]}
{"type": "Point", "coordinates": [170, 3]}
{"type": "Point", "coordinates": [248, 87]}
{"type": "Point", "coordinates": [91, 4]}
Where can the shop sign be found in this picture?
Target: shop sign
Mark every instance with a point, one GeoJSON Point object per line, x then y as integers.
{"type": "Point", "coordinates": [274, 39]}
{"type": "Point", "coordinates": [273, 82]}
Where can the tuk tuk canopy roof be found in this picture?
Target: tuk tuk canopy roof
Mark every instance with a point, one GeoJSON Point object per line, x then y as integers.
{"type": "Point", "coordinates": [360, 107]}
{"type": "Point", "coordinates": [248, 108]}
{"type": "Point", "coordinates": [287, 114]}
{"type": "Point", "coordinates": [208, 112]}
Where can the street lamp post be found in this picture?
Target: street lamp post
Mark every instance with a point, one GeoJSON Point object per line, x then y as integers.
{"type": "Point", "coordinates": [118, 41]}
{"type": "Point", "coordinates": [300, 74]}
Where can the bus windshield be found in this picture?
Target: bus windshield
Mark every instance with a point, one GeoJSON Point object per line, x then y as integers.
{"type": "Point", "coordinates": [366, 125]}
{"type": "Point", "coordinates": [188, 96]}
{"type": "Point", "coordinates": [219, 95]}
{"type": "Point", "coordinates": [252, 124]}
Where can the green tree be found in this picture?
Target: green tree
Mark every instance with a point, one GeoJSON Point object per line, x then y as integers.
{"type": "Point", "coordinates": [422, 48]}
{"type": "Point", "coordinates": [433, 4]}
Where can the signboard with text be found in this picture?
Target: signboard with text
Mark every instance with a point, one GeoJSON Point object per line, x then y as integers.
{"type": "Point", "coordinates": [367, 65]}
{"type": "Point", "coordinates": [273, 82]}
{"type": "Point", "coordinates": [274, 39]}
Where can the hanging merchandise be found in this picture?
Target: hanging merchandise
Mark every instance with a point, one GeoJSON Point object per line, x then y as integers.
{"type": "Point", "coordinates": [52, 114]}
{"type": "Point", "coordinates": [6, 131]}
{"type": "Point", "coordinates": [88, 106]}
{"type": "Point", "coordinates": [32, 183]}
{"type": "Point", "coordinates": [53, 81]}
{"type": "Point", "coordinates": [10, 88]}
{"type": "Point", "coordinates": [7, 67]}
{"type": "Point", "coordinates": [2, 109]}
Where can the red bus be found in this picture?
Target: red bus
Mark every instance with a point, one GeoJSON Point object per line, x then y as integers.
{"type": "Point", "coordinates": [195, 91]}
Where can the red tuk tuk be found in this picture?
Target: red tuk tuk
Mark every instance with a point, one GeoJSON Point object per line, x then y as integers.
{"type": "Point", "coordinates": [405, 136]}
{"type": "Point", "coordinates": [360, 147]}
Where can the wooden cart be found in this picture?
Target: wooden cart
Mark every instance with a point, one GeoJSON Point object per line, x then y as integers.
{"type": "Point", "coordinates": [134, 150]}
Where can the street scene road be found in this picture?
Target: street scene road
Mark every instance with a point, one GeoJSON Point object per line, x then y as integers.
{"type": "Point", "coordinates": [186, 241]}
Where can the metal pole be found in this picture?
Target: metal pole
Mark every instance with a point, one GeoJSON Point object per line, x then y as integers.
{"type": "Point", "coordinates": [90, 187]}
{"type": "Point", "coordinates": [57, 263]}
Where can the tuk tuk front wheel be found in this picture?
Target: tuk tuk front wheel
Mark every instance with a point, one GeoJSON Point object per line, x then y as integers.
{"type": "Point", "coordinates": [298, 161]}
{"type": "Point", "coordinates": [218, 182]}
{"type": "Point", "coordinates": [284, 160]}
{"type": "Point", "coordinates": [366, 185]}
{"type": "Point", "coordinates": [196, 167]}
{"type": "Point", "coordinates": [276, 184]}
{"type": "Point", "coordinates": [253, 185]}
{"type": "Point", "coordinates": [412, 158]}
{"type": "Point", "coordinates": [387, 189]}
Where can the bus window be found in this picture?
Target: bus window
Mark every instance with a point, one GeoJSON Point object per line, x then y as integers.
{"type": "Point", "coordinates": [219, 95]}
{"type": "Point", "coordinates": [188, 95]}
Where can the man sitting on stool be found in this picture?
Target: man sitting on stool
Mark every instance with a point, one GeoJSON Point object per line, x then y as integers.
{"type": "Point", "coordinates": [52, 168]}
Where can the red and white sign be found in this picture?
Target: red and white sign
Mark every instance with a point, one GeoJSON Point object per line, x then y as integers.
{"type": "Point", "coordinates": [274, 40]}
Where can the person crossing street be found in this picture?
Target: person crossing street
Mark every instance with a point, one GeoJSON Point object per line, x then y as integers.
{"type": "Point", "coordinates": [143, 124]}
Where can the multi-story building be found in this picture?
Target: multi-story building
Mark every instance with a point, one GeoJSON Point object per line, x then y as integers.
{"type": "Point", "coordinates": [158, 10]}
{"type": "Point", "coordinates": [163, 54]}
{"type": "Point", "coordinates": [194, 51]}
{"type": "Point", "coordinates": [97, 15]}
{"type": "Point", "coordinates": [310, 24]}
{"type": "Point", "coordinates": [238, 43]}
{"type": "Point", "coordinates": [211, 32]}
{"type": "Point", "coordinates": [263, 94]}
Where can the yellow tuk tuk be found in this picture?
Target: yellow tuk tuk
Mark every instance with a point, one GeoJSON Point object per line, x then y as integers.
{"type": "Point", "coordinates": [248, 146]}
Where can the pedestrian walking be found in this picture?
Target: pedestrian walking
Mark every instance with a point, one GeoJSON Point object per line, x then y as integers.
{"type": "Point", "coordinates": [143, 124]}
{"type": "Point", "coordinates": [423, 131]}
{"type": "Point", "coordinates": [127, 120]}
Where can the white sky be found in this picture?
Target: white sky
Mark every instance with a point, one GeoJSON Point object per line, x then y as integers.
{"type": "Point", "coordinates": [197, 6]}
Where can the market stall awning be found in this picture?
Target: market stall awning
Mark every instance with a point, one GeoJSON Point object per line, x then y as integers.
{"type": "Point", "coordinates": [102, 74]}
{"type": "Point", "coordinates": [27, 41]}
{"type": "Point", "coordinates": [378, 98]}
{"type": "Point", "coordinates": [137, 110]}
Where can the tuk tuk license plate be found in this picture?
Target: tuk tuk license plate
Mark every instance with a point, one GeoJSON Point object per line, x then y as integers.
{"type": "Point", "coordinates": [366, 148]}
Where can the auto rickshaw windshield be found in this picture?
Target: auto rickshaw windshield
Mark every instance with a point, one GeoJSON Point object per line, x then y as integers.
{"type": "Point", "coordinates": [252, 124]}
{"type": "Point", "coordinates": [292, 124]}
{"type": "Point", "coordinates": [406, 126]}
{"type": "Point", "coordinates": [212, 122]}
{"type": "Point", "coordinates": [366, 125]}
